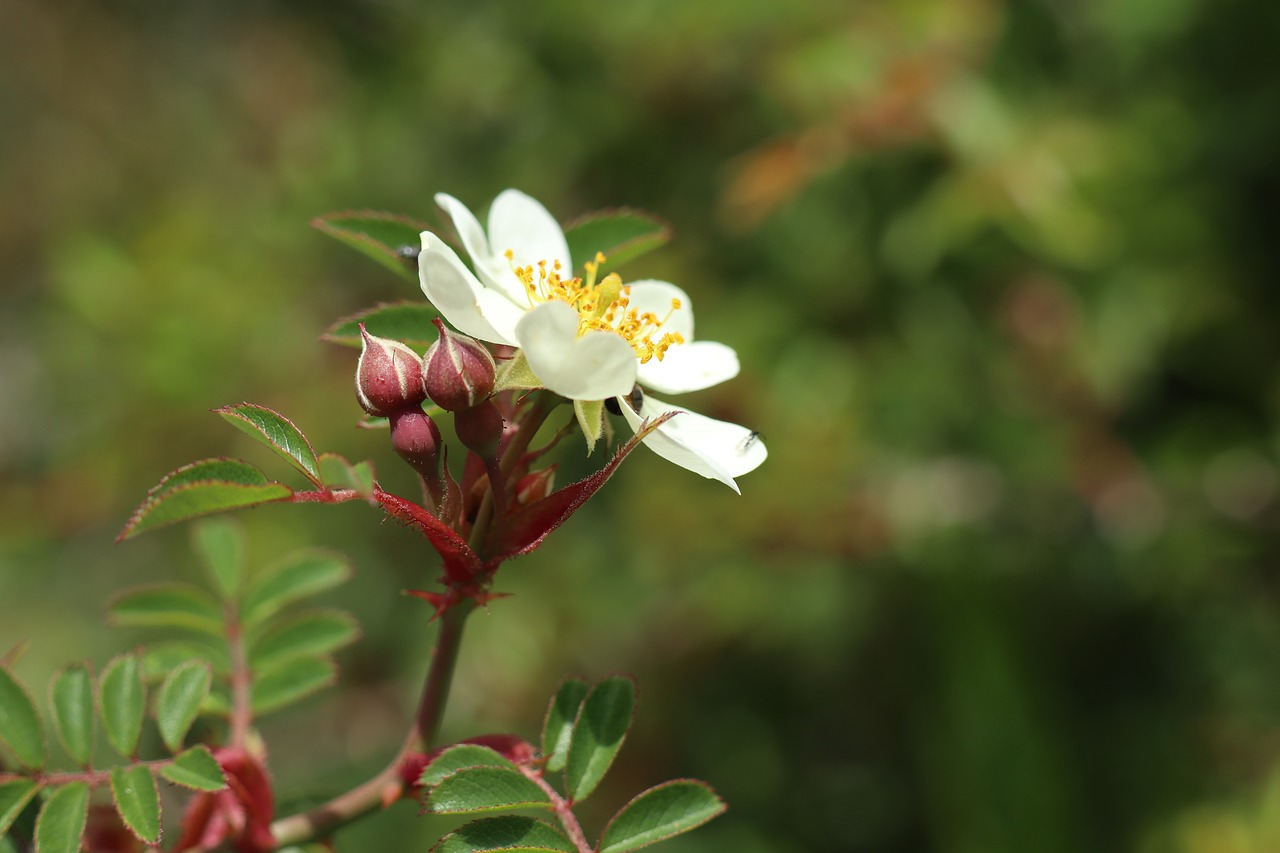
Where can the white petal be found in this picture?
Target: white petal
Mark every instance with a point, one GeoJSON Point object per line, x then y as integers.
{"type": "Point", "coordinates": [468, 305]}
{"type": "Point", "coordinates": [592, 367]}
{"type": "Point", "coordinates": [519, 223]}
{"type": "Point", "coordinates": [656, 297]}
{"type": "Point", "coordinates": [690, 367]}
{"type": "Point", "coordinates": [494, 269]}
{"type": "Point", "coordinates": [715, 449]}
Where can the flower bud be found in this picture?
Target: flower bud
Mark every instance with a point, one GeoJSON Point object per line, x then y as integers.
{"type": "Point", "coordinates": [479, 428]}
{"type": "Point", "coordinates": [388, 376]}
{"type": "Point", "coordinates": [416, 439]}
{"type": "Point", "coordinates": [536, 485]}
{"type": "Point", "coordinates": [458, 371]}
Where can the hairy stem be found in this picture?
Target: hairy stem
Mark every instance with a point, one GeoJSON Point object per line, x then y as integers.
{"type": "Point", "coordinates": [563, 810]}
{"type": "Point", "coordinates": [387, 786]}
{"type": "Point", "coordinates": [241, 699]}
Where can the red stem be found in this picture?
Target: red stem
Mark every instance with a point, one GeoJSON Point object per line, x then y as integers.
{"type": "Point", "coordinates": [562, 809]}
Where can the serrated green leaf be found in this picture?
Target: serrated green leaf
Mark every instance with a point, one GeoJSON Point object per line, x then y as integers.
{"type": "Point", "coordinates": [338, 473]}
{"type": "Point", "coordinates": [61, 822]}
{"type": "Point", "coordinates": [122, 702]}
{"type": "Point", "coordinates": [557, 729]}
{"type": "Point", "coordinates": [598, 734]}
{"type": "Point", "coordinates": [379, 235]}
{"type": "Point", "coordinates": [14, 797]}
{"type": "Point", "coordinates": [620, 235]}
{"type": "Point", "coordinates": [20, 728]}
{"type": "Point", "coordinates": [276, 432]}
{"type": "Point", "coordinates": [297, 576]}
{"type": "Point", "coordinates": [170, 503]}
{"type": "Point", "coordinates": [196, 769]}
{"type": "Point", "coordinates": [483, 789]}
{"type": "Point", "coordinates": [659, 813]}
{"type": "Point", "coordinates": [457, 757]}
{"type": "Point", "coordinates": [407, 322]}
{"type": "Point", "coordinates": [291, 681]}
{"type": "Point", "coordinates": [317, 632]}
{"type": "Point", "coordinates": [159, 659]}
{"type": "Point", "coordinates": [220, 544]}
{"type": "Point", "coordinates": [167, 605]}
{"type": "Point", "coordinates": [134, 790]}
{"type": "Point", "coordinates": [71, 698]}
{"type": "Point", "coordinates": [505, 833]}
{"type": "Point", "coordinates": [178, 702]}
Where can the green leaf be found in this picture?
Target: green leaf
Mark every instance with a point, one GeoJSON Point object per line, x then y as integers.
{"type": "Point", "coordinates": [659, 813]}
{"type": "Point", "coordinates": [317, 632]}
{"type": "Point", "coordinates": [557, 730]}
{"type": "Point", "coordinates": [277, 432]}
{"type": "Point", "coordinates": [482, 789]}
{"type": "Point", "coordinates": [179, 700]}
{"type": "Point", "coordinates": [407, 322]}
{"type": "Point", "coordinates": [293, 680]}
{"type": "Point", "coordinates": [216, 704]}
{"type": "Point", "coordinates": [196, 769]}
{"type": "Point", "coordinates": [457, 757]}
{"type": "Point", "coordinates": [14, 797]}
{"type": "Point", "coordinates": [621, 235]}
{"type": "Point", "coordinates": [61, 822]}
{"type": "Point", "coordinates": [71, 697]}
{"type": "Point", "coordinates": [598, 734]}
{"type": "Point", "coordinates": [159, 659]}
{"type": "Point", "coordinates": [122, 701]}
{"type": "Point", "coordinates": [202, 488]}
{"type": "Point", "coordinates": [134, 790]}
{"type": "Point", "coordinates": [505, 833]}
{"type": "Point", "coordinates": [167, 605]}
{"type": "Point", "coordinates": [20, 723]}
{"type": "Point", "coordinates": [220, 544]}
{"type": "Point", "coordinates": [338, 473]}
{"type": "Point", "coordinates": [299, 575]}
{"type": "Point", "coordinates": [379, 235]}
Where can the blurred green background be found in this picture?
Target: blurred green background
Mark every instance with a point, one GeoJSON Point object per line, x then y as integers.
{"type": "Point", "coordinates": [1002, 276]}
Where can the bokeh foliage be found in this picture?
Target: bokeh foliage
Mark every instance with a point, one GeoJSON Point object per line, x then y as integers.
{"type": "Point", "coordinates": [1002, 276]}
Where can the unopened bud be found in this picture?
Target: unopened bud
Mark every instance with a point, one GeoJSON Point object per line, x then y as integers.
{"type": "Point", "coordinates": [416, 439]}
{"type": "Point", "coordinates": [535, 485]}
{"type": "Point", "coordinates": [479, 428]}
{"type": "Point", "coordinates": [458, 371]}
{"type": "Point", "coordinates": [388, 376]}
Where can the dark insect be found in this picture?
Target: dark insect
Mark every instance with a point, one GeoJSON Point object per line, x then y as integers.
{"type": "Point", "coordinates": [634, 400]}
{"type": "Point", "coordinates": [748, 442]}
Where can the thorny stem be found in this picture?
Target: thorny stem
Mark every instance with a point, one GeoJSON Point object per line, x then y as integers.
{"type": "Point", "coordinates": [563, 810]}
{"type": "Point", "coordinates": [387, 786]}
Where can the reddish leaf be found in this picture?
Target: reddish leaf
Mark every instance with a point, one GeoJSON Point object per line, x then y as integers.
{"type": "Point", "coordinates": [460, 562]}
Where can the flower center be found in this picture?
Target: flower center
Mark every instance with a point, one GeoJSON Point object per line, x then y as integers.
{"type": "Point", "coordinates": [603, 304]}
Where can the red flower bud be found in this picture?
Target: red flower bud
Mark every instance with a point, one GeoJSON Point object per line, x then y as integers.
{"type": "Point", "coordinates": [416, 439]}
{"type": "Point", "coordinates": [479, 428]}
{"type": "Point", "coordinates": [536, 485]}
{"type": "Point", "coordinates": [458, 371]}
{"type": "Point", "coordinates": [388, 376]}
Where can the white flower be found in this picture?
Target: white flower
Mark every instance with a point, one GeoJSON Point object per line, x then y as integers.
{"type": "Point", "coordinates": [586, 339]}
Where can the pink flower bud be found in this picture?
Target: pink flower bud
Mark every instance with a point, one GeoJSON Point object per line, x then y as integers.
{"type": "Point", "coordinates": [458, 371]}
{"type": "Point", "coordinates": [479, 428]}
{"type": "Point", "coordinates": [416, 439]}
{"type": "Point", "coordinates": [388, 376]}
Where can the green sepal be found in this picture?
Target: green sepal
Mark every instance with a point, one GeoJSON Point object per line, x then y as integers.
{"type": "Point", "coordinates": [167, 605]}
{"type": "Point", "coordinates": [133, 789]}
{"type": "Point", "coordinates": [659, 813]}
{"type": "Point", "coordinates": [339, 473]}
{"type": "Point", "coordinates": [483, 789]}
{"type": "Point", "coordinates": [203, 488]}
{"type": "Point", "coordinates": [620, 234]}
{"type": "Point", "coordinates": [598, 733]}
{"type": "Point", "coordinates": [196, 769]}
{"type": "Point", "coordinates": [590, 414]}
{"type": "Point", "coordinates": [407, 322]}
{"type": "Point", "coordinates": [20, 728]}
{"type": "Point", "coordinates": [316, 632]}
{"type": "Point", "coordinates": [291, 681]}
{"type": "Point", "coordinates": [506, 833]}
{"type": "Point", "coordinates": [296, 576]}
{"type": "Point", "coordinates": [515, 374]}
{"type": "Point", "coordinates": [14, 797]}
{"type": "Point", "coordinates": [377, 234]}
{"type": "Point", "coordinates": [60, 825]}
{"type": "Point", "coordinates": [456, 758]}
{"type": "Point", "coordinates": [557, 728]}
{"type": "Point", "coordinates": [220, 545]}
{"type": "Point", "coordinates": [71, 698]}
{"type": "Point", "coordinates": [122, 703]}
{"type": "Point", "coordinates": [277, 432]}
{"type": "Point", "coordinates": [179, 700]}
